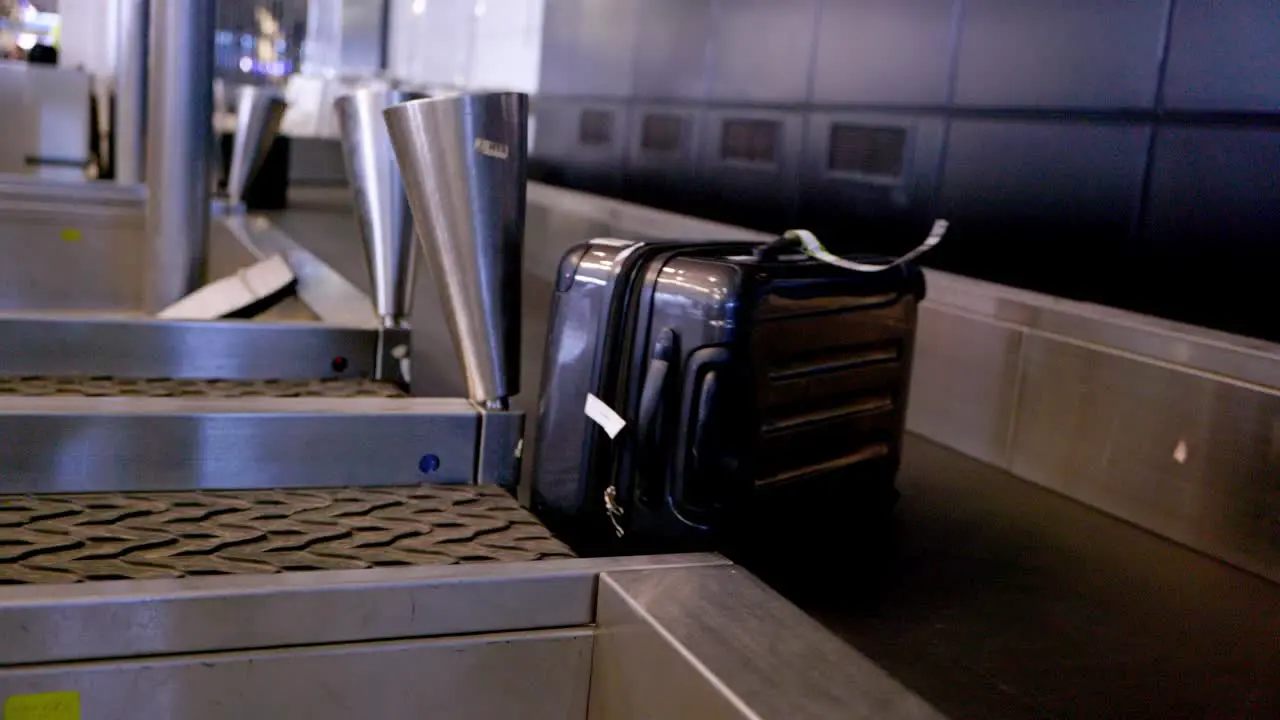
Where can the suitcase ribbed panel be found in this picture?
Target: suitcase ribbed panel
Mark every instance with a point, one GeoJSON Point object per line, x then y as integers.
{"type": "Point", "coordinates": [830, 384]}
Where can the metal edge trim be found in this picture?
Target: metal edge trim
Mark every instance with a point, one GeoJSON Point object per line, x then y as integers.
{"type": "Point", "coordinates": [222, 586]}
{"type": "Point", "coordinates": [195, 406]}
{"type": "Point", "coordinates": [135, 618]}
{"type": "Point", "coordinates": [147, 323]}
{"type": "Point", "coordinates": [703, 597]}
{"type": "Point", "coordinates": [681, 650]}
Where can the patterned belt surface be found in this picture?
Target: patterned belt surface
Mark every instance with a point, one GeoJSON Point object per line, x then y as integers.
{"type": "Point", "coordinates": [117, 536]}
{"type": "Point", "coordinates": [36, 386]}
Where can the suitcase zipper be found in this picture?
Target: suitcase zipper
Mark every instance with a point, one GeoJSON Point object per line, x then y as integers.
{"type": "Point", "coordinates": [612, 508]}
{"type": "Point", "coordinates": [648, 425]}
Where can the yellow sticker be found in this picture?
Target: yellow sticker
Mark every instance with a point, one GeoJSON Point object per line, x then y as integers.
{"type": "Point", "coordinates": [70, 234]}
{"type": "Point", "coordinates": [43, 706]}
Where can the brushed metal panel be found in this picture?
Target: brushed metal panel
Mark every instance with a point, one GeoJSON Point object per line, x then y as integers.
{"type": "Point", "coordinates": [1213, 211]}
{"type": "Point", "coordinates": [756, 55]}
{"type": "Point", "coordinates": [588, 47]}
{"type": "Point", "coordinates": [1082, 54]}
{"type": "Point", "coordinates": [636, 673]}
{"type": "Point", "coordinates": [759, 195]}
{"type": "Point", "coordinates": [99, 620]}
{"type": "Point", "coordinates": [672, 49]}
{"type": "Point", "coordinates": [1035, 203]}
{"type": "Point", "coordinates": [65, 256]}
{"type": "Point", "coordinates": [534, 675]}
{"type": "Point", "coordinates": [501, 448]}
{"type": "Point", "coordinates": [837, 202]}
{"type": "Point", "coordinates": [60, 345]}
{"type": "Point", "coordinates": [717, 643]}
{"type": "Point", "coordinates": [885, 51]}
{"type": "Point", "coordinates": [1222, 56]}
{"type": "Point", "coordinates": [964, 382]}
{"type": "Point", "coordinates": [55, 444]}
{"type": "Point", "coordinates": [1193, 348]}
{"type": "Point", "coordinates": [26, 188]}
{"type": "Point", "coordinates": [1186, 455]}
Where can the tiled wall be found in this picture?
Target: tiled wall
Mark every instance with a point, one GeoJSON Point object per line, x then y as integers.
{"type": "Point", "coordinates": [1118, 151]}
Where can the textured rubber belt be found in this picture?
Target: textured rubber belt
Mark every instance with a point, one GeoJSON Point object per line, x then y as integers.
{"type": "Point", "coordinates": [129, 536]}
{"type": "Point", "coordinates": [43, 386]}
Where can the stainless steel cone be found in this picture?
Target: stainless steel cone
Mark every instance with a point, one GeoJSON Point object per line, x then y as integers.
{"type": "Point", "coordinates": [381, 210]}
{"type": "Point", "coordinates": [259, 111]}
{"type": "Point", "coordinates": [463, 159]}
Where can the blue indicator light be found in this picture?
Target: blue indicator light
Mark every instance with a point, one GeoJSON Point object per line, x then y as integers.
{"type": "Point", "coordinates": [429, 463]}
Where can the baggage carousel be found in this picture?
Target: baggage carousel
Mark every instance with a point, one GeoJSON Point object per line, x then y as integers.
{"type": "Point", "coordinates": [987, 595]}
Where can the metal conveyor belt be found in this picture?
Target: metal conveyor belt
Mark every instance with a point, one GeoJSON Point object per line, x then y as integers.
{"type": "Point", "coordinates": [118, 536]}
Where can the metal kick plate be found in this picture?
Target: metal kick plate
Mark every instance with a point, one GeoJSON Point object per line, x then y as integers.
{"type": "Point", "coordinates": [118, 536]}
{"type": "Point", "coordinates": [42, 386]}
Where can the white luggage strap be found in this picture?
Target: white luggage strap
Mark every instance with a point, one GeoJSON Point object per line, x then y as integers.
{"type": "Point", "coordinates": [814, 249]}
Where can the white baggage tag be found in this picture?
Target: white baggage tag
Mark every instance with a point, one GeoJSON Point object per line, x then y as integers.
{"type": "Point", "coordinates": [604, 416]}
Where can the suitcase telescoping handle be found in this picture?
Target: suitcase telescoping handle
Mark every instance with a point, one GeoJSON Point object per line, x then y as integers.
{"type": "Point", "coordinates": [808, 243]}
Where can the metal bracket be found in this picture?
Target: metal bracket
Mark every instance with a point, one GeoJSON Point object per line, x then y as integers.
{"type": "Point", "coordinates": [501, 446]}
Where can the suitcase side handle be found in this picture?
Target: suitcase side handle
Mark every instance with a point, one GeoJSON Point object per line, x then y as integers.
{"type": "Point", "coordinates": [692, 493]}
{"type": "Point", "coordinates": [649, 419]}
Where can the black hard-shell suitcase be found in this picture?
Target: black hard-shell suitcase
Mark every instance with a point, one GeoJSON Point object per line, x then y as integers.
{"type": "Point", "coordinates": [752, 379]}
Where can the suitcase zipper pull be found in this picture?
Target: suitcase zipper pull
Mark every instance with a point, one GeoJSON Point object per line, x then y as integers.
{"type": "Point", "coordinates": [814, 249]}
{"type": "Point", "coordinates": [612, 508]}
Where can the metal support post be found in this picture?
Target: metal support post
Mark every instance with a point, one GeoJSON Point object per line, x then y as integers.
{"type": "Point", "coordinates": [131, 92]}
{"type": "Point", "coordinates": [179, 147]}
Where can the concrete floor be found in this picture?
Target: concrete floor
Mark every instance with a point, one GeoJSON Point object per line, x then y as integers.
{"type": "Point", "coordinates": [989, 596]}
